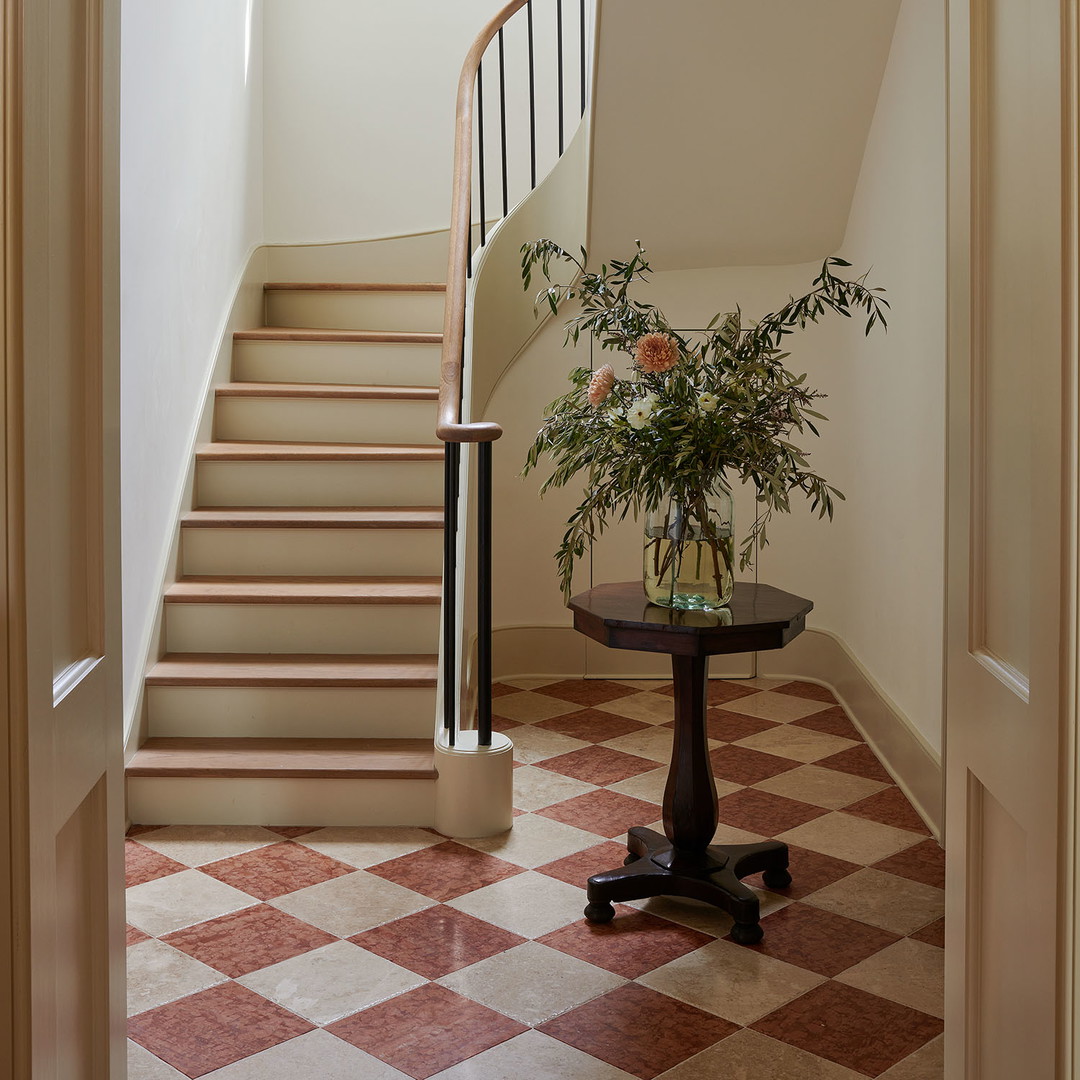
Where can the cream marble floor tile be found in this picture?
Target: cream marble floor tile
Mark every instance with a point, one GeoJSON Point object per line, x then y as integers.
{"type": "Point", "coordinates": [533, 1055]}
{"type": "Point", "coordinates": [142, 1065]}
{"type": "Point", "coordinates": [908, 971]}
{"type": "Point", "coordinates": [731, 981]}
{"type": "Point", "coordinates": [527, 707]}
{"type": "Point", "coordinates": [331, 982]}
{"type": "Point", "coordinates": [646, 707]}
{"type": "Point", "coordinates": [531, 982]}
{"type": "Point", "coordinates": [534, 841]}
{"type": "Point", "coordinates": [798, 743]}
{"type": "Point", "coordinates": [728, 834]}
{"type": "Point", "coordinates": [643, 684]}
{"type": "Point", "coordinates": [536, 788]}
{"type": "Point", "coordinates": [532, 744]}
{"type": "Point", "coordinates": [346, 905]}
{"type": "Point", "coordinates": [648, 786]}
{"type": "Point", "coordinates": [158, 973]}
{"type": "Point", "coordinates": [820, 787]}
{"type": "Point", "coordinates": [927, 1063]}
{"type": "Point", "coordinates": [366, 846]}
{"type": "Point", "coordinates": [781, 707]}
{"type": "Point", "coordinates": [196, 845]}
{"type": "Point", "coordinates": [528, 683]}
{"type": "Point", "coordinates": [746, 1055]}
{"type": "Point", "coordinates": [182, 899]}
{"type": "Point", "coordinates": [845, 836]}
{"type": "Point", "coordinates": [894, 903]}
{"type": "Point", "coordinates": [654, 743]}
{"type": "Point", "coordinates": [529, 904]}
{"type": "Point", "coordinates": [761, 682]}
{"type": "Point", "coordinates": [318, 1055]}
{"type": "Point", "coordinates": [701, 916]}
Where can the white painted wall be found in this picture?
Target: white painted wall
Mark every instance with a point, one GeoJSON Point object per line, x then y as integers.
{"type": "Point", "coordinates": [360, 99]}
{"type": "Point", "coordinates": [191, 194]}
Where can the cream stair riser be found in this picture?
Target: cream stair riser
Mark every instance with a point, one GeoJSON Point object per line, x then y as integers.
{"type": "Point", "coordinates": [311, 551]}
{"type": "Point", "coordinates": [301, 628]}
{"type": "Point", "coordinates": [374, 712]}
{"type": "Point", "coordinates": [318, 483]}
{"type": "Point", "coordinates": [303, 420]}
{"type": "Point", "coordinates": [334, 362]}
{"type": "Point", "coordinates": [156, 800]}
{"type": "Point", "coordinates": [366, 310]}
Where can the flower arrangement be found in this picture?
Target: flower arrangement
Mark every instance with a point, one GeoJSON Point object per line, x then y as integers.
{"type": "Point", "coordinates": [694, 411]}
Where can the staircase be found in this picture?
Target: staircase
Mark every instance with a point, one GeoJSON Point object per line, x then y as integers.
{"type": "Point", "coordinates": [298, 683]}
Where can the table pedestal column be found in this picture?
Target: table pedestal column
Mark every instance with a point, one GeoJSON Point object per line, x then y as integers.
{"type": "Point", "coordinates": [682, 862]}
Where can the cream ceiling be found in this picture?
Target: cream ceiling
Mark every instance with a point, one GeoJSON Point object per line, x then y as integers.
{"type": "Point", "coordinates": [730, 132]}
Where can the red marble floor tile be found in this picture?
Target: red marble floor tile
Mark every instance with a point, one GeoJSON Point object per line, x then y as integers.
{"type": "Point", "coordinates": [142, 864]}
{"type": "Point", "coordinates": [858, 761]}
{"type": "Point", "coordinates": [633, 943]}
{"type": "Point", "coordinates": [576, 869]}
{"type": "Point", "coordinates": [934, 934]}
{"type": "Point", "coordinates": [855, 1029]}
{"type": "Point", "coordinates": [600, 765]}
{"type": "Point", "coordinates": [503, 724]}
{"type": "Point", "coordinates": [638, 1030]}
{"type": "Point", "coordinates": [445, 871]}
{"type": "Point", "coordinates": [499, 689]}
{"type": "Point", "coordinates": [725, 726]}
{"type": "Point", "coordinates": [924, 862]}
{"type": "Point", "coordinates": [607, 813]}
{"type": "Point", "coordinates": [810, 871]}
{"type": "Point", "coordinates": [437, 941]}
{"type": "Point", "coordinates": [587, 691]}
{"type": "Point", "coordinates": [244, 941]}
{"type": "Point", "coordinates": [889, 807]}
{"type": "Point", "coordinates": [426, 1030]}
{"type": "Point", "coordinates": [291, 832]}
{"type": "Point", "coordinates": [135, 935]}
{"type": "Point", "coordinates": [273, 871]}
{"type": "Point", "coordinates": [719, 691]}
{"type": "Point", "coordinates": [832, 721]}
{"type": "Point", "coordinates": [213, 1028]}
{"type": "Point", "coordinates": [741, 765]}
{"type": "Point", "coordinates": [808, 690]}
{"type": "Point", "coordinates": [591, 725]}
{"type": "Point", "coordinates": [764, 813]}
{"type": "Point", "coordinates": [819, 940]}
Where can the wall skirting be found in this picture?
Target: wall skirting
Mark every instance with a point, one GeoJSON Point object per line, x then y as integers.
{"type": "Point", "coordinates": [817, 656]}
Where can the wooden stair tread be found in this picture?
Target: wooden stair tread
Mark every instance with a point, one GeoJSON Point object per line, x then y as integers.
{"type": "Point", "coordinates": [327, 390]}
{"type": "Point", "coordinates": [305, 590]}
{"type": "Point", "coordinates": [355, 286]}
{"type": "Point", "coordinates": [292, 451]}
{"type": "Point", "coordinates": [313, 517]}
{"type": "Point", "coordinates": [341, 759]}
{"type": "Point", "coordinates": [298, 333]}
{"type": "Point", "coordinates": [293, 670]}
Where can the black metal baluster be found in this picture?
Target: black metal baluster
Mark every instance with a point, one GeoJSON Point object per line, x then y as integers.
{"type": "Point", "coordinates": [502, 122]}
{"type": "Point", "coordinates": [559, 54]}
{"type": "Point", "coordinates": [452, 452]}
{"type": "Point", "coordinates": [532, 100]}
{"type": "Point", "coordinates": [483, 594]}
{"type": "Point", "coordinates": [480, 142]}
{"type": "Point", "coordinates": [581, 35]}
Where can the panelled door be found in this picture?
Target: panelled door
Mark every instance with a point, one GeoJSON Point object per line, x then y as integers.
{"type": "Point", "coordinates": [1011, 586]}
{"type": "Point", "coordinates": [61, 509]}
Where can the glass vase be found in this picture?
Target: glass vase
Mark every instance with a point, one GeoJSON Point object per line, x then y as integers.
{"type": "Point", "coordinates": [690, 551]}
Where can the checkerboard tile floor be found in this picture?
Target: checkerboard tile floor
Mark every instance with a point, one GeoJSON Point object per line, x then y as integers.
{"type": "Point", "coordinates": [289, 952]}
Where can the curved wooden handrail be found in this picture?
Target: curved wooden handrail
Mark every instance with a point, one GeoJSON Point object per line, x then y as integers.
{"type": "Point", "coordinates": [449, 427]}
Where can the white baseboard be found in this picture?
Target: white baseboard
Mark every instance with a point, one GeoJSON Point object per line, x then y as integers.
{"type": "Point", "coordinates": [816, 656]}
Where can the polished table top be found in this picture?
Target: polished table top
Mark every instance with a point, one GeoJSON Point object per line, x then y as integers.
{"type": "Point", "coordinates": [759, 617]}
